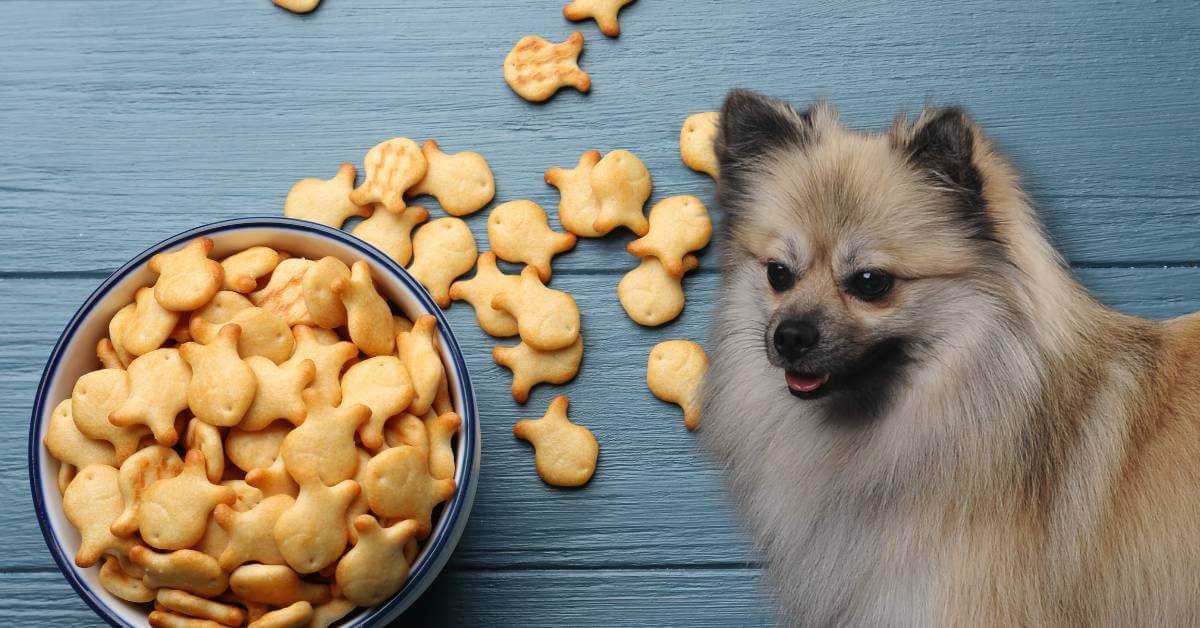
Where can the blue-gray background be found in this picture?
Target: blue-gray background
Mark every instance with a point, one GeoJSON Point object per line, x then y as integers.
{"type": "Point", "coordinates": [124, 122]}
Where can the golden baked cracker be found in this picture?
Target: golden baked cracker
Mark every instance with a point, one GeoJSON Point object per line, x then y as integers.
{"type": "Point", "coordinates": [518, 232]}
{"type": "Point", "coordinates": [201, 608]}
{"type": "Point", "coordinates": [398, 485]}
{"type": "Point", "coordinates": [284, 293]}
{"type": "Point", "coordinates": [295, 616]}
{"type": "Point", "coordinates": [531, 367]}
{"type": "Point", "coordinates": [359, 506]}
{"type": "Point", "coordinates": [678, 225]}
{"type": "Point", "coordinates": [116, 581]}
{"type": "Point", "coordinates": [536, 68]}
{"type": "Point", "coordinates": [257, 449]}
{"type": "Point", "coordinates": [298, 6]}
{"type": "Point", "coordinates": [275, 585]}
{"type": "Point", "coordinates": [312, 533]}
{"type": "Point", "coordinates": [158, 392]}
{"type": "Point", "coordinates": [222, 385]}
{"type": "Point", "coordinates": [273, 479]}
{"type": "Point", "coordinates": [696, 143]}
{"type": "Point", "coordinates": [674, 373]}
{"type": "Point", "coordinates": [375, 568]}
{"type": "Point", "coordinates": [391, 167]}
{"type": "Point", "coordinates": [91, 503]}
{"type": "Point", "coordinates": [116, 332]}
{"type": "Point", "coordinates": [205, 322]}
{"type": "Point", "coordinates": [214, 540]}
{"type": "Point", "coordinates": [207, 438]}
{"type": "Point", "coordinates": [479, 292]}
{"type": "Point", "coordinates": [603, 11]}
{"type": "Point", "coordinates": [323, 445]}
{"type": "Point", "coordinates": [327, 359]}
{"type": "Point", "coordinates": [391, 232]}
{"type": "Point", "coordinates": [327, 614]}
{"type": "Point", "coordinates": [381, 384]}
{"type": "Point", "coordinates": [547, 319]}
{"type": "Point", "coordinates": [368, 315]}
{"type": "Point", "coordinates": [462, 183]}
{"type": "Point", "coordinates": [173, 511]}
{"type": "Point", "coordinates": [95, 395]}
{"type": "Point", "coordinates": [277, 392]}
{"type": "Point", "coordinates": [185, 569]}
{"type": "Point", "coordinates": [244, 268]}
{"type": "Point", "coordinates": [66, 473]}
{"type": "Point", "coordinates": [621, 184]}
{"type": "Point", "coordinates": [187, 279]}
{"type": "Point", "coordinates": [324, 307]}
{"type": "Point", "coordinates": [137, 473]}
{"type": "Point", "coordinates": [564, 453]}
{"type": "Point", "coordinates": [149, 326]}
{"type": "Point", "coordinates": [251, 533]}
{"type": "Point", "coordinates": [69, 446]}
{"type": "Point", "coordinates": [407, 429]}
{"type": "Point", "coordinates": [577, 204]}
{"type": "Point", "coordinates": [417, 349]}
{"type": "Point", "coordinates": [263, 334]}
{"type": "Point", "coordinates": [161, 618]}
{"type": "Point", "coordinates": [247, 496]}
{"type": "Point", "coordinates": [106, 352]}
{"type": "Point", "coordinates": [650, 295]}
{"type": "Point", "coordinates": [442, 403]}
{"type": "Point", "coordinates": [443, 250]}
{"type": "Point", "coordinates": [441, 430]}
{"type": "Point", "coordinates": [326, 201]}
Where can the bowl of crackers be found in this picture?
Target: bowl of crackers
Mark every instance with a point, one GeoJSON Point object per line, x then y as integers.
{"type": "Point", "coordinates": [262, 421]}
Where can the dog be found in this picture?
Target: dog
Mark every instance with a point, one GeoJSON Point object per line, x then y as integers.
{"type": "Point", "coordinates": [926, 421]}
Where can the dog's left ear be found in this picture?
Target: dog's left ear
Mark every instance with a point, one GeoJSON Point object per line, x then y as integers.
{"type": "Point", "coordinates": [753, 124]}
{"type": "Point", "coordinates": [942, 143]}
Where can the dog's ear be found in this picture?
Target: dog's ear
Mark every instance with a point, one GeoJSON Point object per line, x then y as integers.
{"type": "Point", "coordinates": [942, 143]}
{"type": "Point", "coordinates": [753, 124]}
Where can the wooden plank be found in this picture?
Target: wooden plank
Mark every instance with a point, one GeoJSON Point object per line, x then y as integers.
{"type": "Point", "coordinates": [127, 122]}
{"type": "Point", "coordinates": [649, 464]}
{"type": "Point", "coordinates": [552, 598]}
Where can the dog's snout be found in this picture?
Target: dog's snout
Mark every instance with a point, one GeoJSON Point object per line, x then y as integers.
{"type": "Point", "coordinates": [794, 338]}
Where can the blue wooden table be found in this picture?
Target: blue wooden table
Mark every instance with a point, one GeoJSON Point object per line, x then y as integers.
{"type": "Point", "coordinates": [124, 122]}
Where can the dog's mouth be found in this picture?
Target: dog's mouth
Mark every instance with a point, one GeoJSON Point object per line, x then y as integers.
{"type": "Point", "coordinates": [878, 364]}
{"type": "Point", "coordinates": [806, 385]}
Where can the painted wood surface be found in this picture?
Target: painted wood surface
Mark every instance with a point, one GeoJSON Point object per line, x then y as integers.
{"type": "Point", "coordinates": [123, 122]}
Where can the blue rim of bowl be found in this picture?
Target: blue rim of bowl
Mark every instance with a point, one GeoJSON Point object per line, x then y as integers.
{"type": "Point", "coordinates": [452, 510]}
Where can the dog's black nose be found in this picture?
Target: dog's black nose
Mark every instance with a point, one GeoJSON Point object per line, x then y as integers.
{"type": "Point", "coordinates": [793, 338]}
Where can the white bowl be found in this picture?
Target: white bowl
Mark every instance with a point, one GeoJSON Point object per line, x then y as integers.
{"type": "Point", "coordinates": [74, 355]}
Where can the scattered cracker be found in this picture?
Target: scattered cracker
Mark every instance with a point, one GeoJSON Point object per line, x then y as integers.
{"type": "Point", "coordinates": [696, 143]}
{"type": "Point", "coordinates": [462, 183]}
{"type": "Point", "coordinates": [536, 68]}
{"type": "Point", "coordinates": [391, 167]}
{"type": "Point", "coordinates": [603, 11]}
{"type": "Point", "coordinates": [547, 319]}
{"type": "Point", "coordinates": [326, 201]}
{"type": "Point", "coordinates": [391, 232]}
{"type": "Point", "coordinates": [479, 291]}
{"type": "Point", "coordinates": [678, 225]}
{"type": "Point", "coordinates": [674, 373]}
{"type": "Point", "coordinates": [297, 6]}
{"type": "Point", "coordinates": [577, 205]}
{"type": "Point", "coordinates": [565, 453]}
{"type": "Point", "coordinates": [650, 295]}
{"type": "Point", "coordinates": [531, 367]}
{"type": "Point", "coordinates": [443, 250]}
{"type": "Point", "coordinates": [621, 184]}
{"type": "Point", "coordinates": [519, 232]}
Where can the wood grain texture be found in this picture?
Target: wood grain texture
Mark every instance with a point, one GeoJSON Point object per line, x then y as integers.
{"type": "Point", "coordinates": [125, 122]}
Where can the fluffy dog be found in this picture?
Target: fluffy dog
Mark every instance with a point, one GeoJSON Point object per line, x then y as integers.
{"type": "Point", "coordinates": [925, 419]}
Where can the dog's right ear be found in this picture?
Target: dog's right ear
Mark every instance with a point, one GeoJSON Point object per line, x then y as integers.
{"type": "Point", "coordinates": [753, 124]}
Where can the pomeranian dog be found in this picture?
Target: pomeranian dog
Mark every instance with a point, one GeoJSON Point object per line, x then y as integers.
{"type": "Point", "coordinates": [926, 421]}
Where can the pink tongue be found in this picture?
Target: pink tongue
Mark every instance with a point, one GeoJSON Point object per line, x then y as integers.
{"type": "Point", "coordinates": [795, 381]}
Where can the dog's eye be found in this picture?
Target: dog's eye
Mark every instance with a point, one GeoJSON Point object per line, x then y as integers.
{"type": "Point", "coordinates": [869, 285]}
{"type": "Point", "coordinates": [780, 276]}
